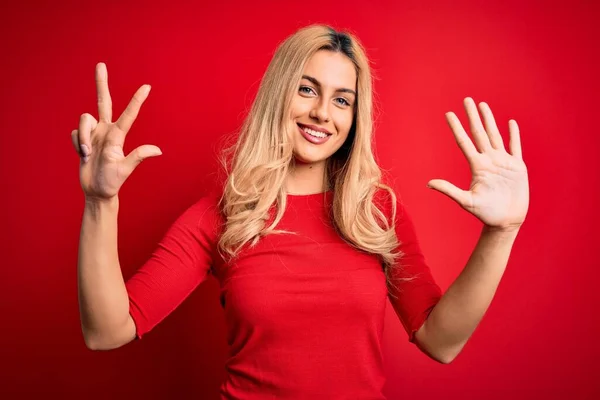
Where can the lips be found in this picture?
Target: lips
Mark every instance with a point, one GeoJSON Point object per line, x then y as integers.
{"type": "Point", "coordinates": [313, 138]}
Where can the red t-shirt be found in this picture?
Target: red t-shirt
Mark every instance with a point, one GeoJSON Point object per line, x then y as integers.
{"type": "Point", "coordinates": [304, 311]}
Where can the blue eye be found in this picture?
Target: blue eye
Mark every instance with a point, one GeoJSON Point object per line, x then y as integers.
{"type": "Point", "coordinates": [306, 89]}
{"type": "Point", "coordinates": [310, 91]}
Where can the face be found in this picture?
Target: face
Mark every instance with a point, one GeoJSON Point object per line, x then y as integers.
{"type": "Point", "coordinates": [323, 108]}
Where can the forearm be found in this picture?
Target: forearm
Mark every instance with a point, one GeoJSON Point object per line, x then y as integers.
{"type": "Point", "coordinates": [103, 299]}
{"type": "Point", "coordinates": [462, 307]}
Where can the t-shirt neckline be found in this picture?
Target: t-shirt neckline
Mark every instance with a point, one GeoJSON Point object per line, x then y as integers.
{"type": "Point", "coordinates": [300, 195]}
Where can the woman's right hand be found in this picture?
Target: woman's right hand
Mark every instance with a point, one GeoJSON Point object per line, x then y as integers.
{"type": "Point", "coordinates": [103, 167]}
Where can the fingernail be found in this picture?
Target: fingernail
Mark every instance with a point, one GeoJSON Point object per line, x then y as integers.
{"type": "Point", "coordinates": [85, 150]}
{"type": "Point", "coordinates": [85, 159]}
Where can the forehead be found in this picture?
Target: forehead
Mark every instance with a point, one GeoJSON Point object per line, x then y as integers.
{"type": "Point", "coordinates": [331, 69]}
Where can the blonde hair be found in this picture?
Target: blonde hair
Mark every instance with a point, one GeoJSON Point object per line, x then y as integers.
{"type": "Point", "coordinates": [257, 164]}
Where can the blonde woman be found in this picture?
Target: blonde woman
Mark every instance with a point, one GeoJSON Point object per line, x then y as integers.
{"type": "Point", "coordinates": [304, 237]}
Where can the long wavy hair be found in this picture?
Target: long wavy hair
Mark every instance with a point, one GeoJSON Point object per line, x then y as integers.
{"type": "Point", "coordinates": [254, 198]}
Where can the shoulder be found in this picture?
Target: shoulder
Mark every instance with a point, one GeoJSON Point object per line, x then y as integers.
{"type": "Point", "coordinates": [207, 203]}
{"type": "Point", "coordinates": [204, 214]}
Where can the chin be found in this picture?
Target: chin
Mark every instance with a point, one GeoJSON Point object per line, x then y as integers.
{"type": "Point", "coordinates": [309, 159]}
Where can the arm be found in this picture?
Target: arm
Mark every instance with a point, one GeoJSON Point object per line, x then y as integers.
{"type": "Point", "coordinates": [179, 263]}
{"type": "Point", "coordinates": [103, 168]}
{"type": "Point", "coordinates": [455, 317]}
{"type": "Point", "coordinates": [499, 197]}
{"type": "Point", "coordinates": [103, 299]}
{"type": "Point", "coordinates": [116, 312]}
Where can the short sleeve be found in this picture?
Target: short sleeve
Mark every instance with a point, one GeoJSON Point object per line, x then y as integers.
{"type": "Point", "coordinates": [416, 292]}
{"type": "Point", "coordinates": [180, 262]}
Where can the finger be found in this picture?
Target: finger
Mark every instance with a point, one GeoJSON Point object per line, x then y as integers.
{"type": "Point", "coordinates": [138, 155]}
{"type": "Point", "coordinates": [133, 108]}
{"type": "Point", "coordinates": [490, 126]}
{"type": "Point", "coordinates": [462, 139]}
{"type": "Point", "coordinates": [460, 196]}
{"type": "Point", "coordinates": [515, 139]}
{"type": "Point", "coordinates": [75, 141]}
{"type": "Point", "coordinates": [104, 100]}
{"type": "Point", "coordinates": [87, 124]}
{"type": "Point", "coordinates": [477, 130]}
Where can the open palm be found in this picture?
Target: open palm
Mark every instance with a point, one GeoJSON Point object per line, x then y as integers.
{"type": "Point", "coordinates": [499, 191]}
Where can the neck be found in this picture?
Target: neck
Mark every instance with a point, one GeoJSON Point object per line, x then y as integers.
{"type": "Point", "coordinates": [306, 178]}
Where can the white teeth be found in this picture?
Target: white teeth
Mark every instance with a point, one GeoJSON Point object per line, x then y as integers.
{"type": "Point", "coordinates": [315, 133]}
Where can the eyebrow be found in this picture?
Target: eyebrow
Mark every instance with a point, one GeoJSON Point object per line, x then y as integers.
{"type": "Point", "coordinates": [318, 84]}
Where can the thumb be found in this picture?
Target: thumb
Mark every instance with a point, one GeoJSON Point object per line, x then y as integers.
{"type": "Point", "coordinates": [139, 154]}
{"type": "Point", "coordinates": [445, 187]}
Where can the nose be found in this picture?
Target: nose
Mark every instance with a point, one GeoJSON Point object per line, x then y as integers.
{"type": "Point", "coordinates": [319, 112]}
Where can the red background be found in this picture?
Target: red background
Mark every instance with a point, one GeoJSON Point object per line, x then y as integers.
{"type": "Point", "coordinates": [534, 62]}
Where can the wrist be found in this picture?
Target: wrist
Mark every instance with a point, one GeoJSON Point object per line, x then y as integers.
{"type": "Point", "coordinates": [506, 231]}
{"type": "Point", "coordinates": [95, 203]}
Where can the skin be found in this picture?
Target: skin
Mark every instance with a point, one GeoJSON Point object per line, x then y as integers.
{"type": "Point", "coordinates": [499, 197]}
{"type": "Point", "coordinates": [320, 102]}
{"type": "Point", "coordinates": [103, 299]}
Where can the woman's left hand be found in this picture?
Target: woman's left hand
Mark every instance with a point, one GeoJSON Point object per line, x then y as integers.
{"type": "Point", "coordinates": [499, 190]}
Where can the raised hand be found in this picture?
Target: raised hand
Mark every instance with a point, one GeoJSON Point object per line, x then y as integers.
{"type": "Point", "coordinates": [499, 190]}
{"type": "Point", "coordinates": [103, 167]}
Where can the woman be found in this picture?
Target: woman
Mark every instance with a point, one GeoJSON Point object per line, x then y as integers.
{"type": "Point", "coordinates": [305, 239]}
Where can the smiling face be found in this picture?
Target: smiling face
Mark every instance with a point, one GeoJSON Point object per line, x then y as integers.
{"type": "Point", "coordinates": [322, 109]}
